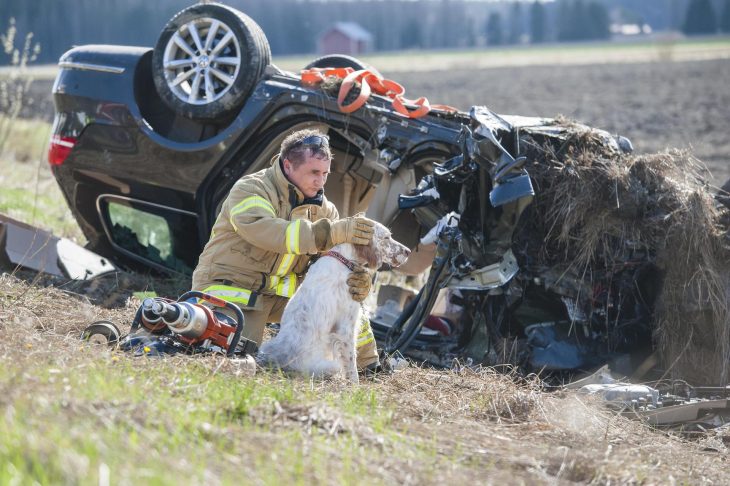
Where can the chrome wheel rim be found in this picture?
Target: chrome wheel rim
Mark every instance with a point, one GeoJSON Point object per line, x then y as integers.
{"type": "Point", "coordinates": [201, 61]}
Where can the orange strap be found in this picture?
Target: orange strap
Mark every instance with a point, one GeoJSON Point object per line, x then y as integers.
{"type": "Point", "coordinates": [314, 76]}
{"type": "Point", "coordinates": [346, 87]}
{"type": "Point", "coordinates": [371, 82]}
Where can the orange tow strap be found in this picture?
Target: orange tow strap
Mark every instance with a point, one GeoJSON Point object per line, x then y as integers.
{"type": "Point", "coordinates": [371, 82]}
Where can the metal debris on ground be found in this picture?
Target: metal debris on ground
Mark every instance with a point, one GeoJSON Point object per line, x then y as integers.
{"type": "Point", "coordinates": [670, 404]}
{"type": "Point", "coordinates": [22, 245]}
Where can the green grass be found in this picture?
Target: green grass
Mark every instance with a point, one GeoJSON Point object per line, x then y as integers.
{"type": "Point", "coordinates": [158, 421]}
{"type": "Point", "coordinates": [25, 140]}
{"type": "Point", "coordinates": [29, 191]}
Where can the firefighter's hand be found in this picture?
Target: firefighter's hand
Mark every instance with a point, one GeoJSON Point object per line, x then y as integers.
{"type": "Point", "coordinates": [358, 284]}
{"type": "Point", "coordinates": [355, 229]}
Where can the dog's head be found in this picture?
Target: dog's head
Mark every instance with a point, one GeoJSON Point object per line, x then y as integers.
{"type": "Point", "coordinates": [383, 249]}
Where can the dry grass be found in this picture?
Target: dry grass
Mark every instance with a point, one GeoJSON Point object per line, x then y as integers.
{"type": "Point", "coordinates": [598, 210]}
{"type": "Point", "coordinates": [29, 192]}
{"type": "Point", "coordinates": [72, 412]}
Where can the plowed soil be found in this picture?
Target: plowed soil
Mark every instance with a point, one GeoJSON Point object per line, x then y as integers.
{"type": "Point", "coordinates": [657, 105]}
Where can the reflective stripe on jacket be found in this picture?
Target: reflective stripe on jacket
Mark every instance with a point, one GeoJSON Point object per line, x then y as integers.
{"type": "Point", "coordinates": [262, 239]}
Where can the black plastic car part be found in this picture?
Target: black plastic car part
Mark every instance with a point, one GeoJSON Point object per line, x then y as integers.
{"type": "Point", "coordinates": [207, 61]}
{"type": "Point", "coordinates": [339, 61]}
{"type": "Point", "coordinates": [101, 332]}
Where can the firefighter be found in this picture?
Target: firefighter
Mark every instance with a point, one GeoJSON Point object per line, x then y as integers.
{"type": "Point", "coordinates": [270, 225]}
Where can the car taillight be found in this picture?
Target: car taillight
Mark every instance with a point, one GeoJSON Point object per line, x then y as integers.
{"type": "Point", "coordinates": [59, 149]}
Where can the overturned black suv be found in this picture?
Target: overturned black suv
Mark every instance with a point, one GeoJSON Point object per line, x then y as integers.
{"type": "Point", "coordinates": [147, 143]}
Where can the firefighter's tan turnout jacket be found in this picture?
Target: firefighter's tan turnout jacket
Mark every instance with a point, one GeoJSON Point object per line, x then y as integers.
{"type": "Point", "coordinates": [262, 240]}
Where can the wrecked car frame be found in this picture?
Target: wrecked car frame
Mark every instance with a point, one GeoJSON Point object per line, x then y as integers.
{"type": "Point", "coordinates": [530, 278]}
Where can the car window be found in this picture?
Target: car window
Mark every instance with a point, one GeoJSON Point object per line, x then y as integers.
{"type": "Point", "coordinates": [152, 234]}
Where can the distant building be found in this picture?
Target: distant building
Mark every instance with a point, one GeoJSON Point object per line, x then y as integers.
{"type": "Point", "coordinates": [629, 30]}
{"type": "Point", "coordinates": [345, 38]}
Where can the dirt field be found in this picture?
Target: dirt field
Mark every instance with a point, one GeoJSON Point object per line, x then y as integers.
{"type": "Point", "coordinates": [657, 105]}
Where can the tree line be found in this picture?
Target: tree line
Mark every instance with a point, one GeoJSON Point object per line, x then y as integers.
{"type": "Point", "coordinates": [293, 26]}
{"type": "Point", "coordinates": [702, 18]}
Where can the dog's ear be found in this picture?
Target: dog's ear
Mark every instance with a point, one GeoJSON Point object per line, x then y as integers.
{"type": "Point", "coordinates": [368, 254]}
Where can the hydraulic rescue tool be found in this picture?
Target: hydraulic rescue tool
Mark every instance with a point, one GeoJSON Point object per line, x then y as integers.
{"type": "Point", "coordinates": [186, 325]}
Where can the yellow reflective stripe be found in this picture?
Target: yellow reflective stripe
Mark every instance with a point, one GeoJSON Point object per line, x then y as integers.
{"type": "Point", "coordinates": [252, 202]}
{"type": "Point", "coordinates": [212, 230]}
{"type": "Point", "coordinates": [369, 340]}
{"type": "Point", "coordinates": [365, 325]}
{"type": "Point", "coordinates": [286, 263]}
{"type": "Point", "coordinates": [292, 237]}
{"type": "Point", "coordinates": [285, 286]}
{"type": "Point", "coordinates": [364, 334]}
{"type": "Point", "coordinates": [248, 203]}
{"type": "Point", "coordinates": [229, 294]}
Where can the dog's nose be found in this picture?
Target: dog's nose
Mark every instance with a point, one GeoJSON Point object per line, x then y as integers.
{"type": "Point", "coordinates": [403, 255]}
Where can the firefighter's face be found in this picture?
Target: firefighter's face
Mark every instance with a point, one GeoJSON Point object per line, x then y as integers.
{"type": "Point", "coordinates": [309, 176]}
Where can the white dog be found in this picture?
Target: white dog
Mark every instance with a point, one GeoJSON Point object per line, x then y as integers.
{"type": "Point", "coordinates": [319, 324]}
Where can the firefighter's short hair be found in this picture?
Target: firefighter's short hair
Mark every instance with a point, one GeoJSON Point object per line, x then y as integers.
{"type": "Point", "coordinates": [305, 143]}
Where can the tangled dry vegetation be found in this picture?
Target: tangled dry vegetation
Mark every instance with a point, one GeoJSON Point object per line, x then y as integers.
{"type": "Point", "coordinates": [597, 211]}
{"type": "Point", "coordinates": [417, 426]}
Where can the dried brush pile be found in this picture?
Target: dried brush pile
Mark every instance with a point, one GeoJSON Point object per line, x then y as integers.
{"type": "Point", "coordinates": [598, 209]}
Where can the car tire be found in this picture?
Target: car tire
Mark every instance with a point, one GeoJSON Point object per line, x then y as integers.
{"type": "Point", "coordinates": [339, 61]}
{"type": "Point", "coordinates": [207, 61]}
{"type": "Point", "coordinates": [101, 332]}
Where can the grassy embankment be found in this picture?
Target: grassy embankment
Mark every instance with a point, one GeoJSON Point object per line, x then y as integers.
{"type": "Point", "coordinates": [84, 415]}
{"type": "Point", "coordinates": [29, 192]}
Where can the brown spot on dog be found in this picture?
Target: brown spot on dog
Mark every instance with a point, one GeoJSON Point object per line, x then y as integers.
{"type": "Point", "coordinates": [367, 254]}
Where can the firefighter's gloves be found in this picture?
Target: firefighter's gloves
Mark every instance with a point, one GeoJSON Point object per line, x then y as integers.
{"type": "Point", "coordinates": [355, 229]}
{"type": "Point", "coordinates": [358, 284]}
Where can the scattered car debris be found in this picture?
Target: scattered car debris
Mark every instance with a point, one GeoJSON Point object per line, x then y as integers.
{"type": "Point", "coordinates": [672, 405]}
{"type": "Point", "coordinates": [22, 245]}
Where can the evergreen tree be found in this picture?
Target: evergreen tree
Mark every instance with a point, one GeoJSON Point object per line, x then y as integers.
{"type": "Point", "coordinates": [494, 29]}
{"type": "Point", "coordinates": [411, 34]}
{"type": "Point", "coordinates": [567, 30]}
{"type": "Point", "coordinates": [537, 22]}
{"type": "Point", "coordinates": [598, 21]}
{"type": "Point", "coordinates": [471, 35]}
{"type": "Point", "coordinates": [725, 17]}
{"type": "Point", "coordinates": [580, 21]}
{"type": "Point", "coordinates": [515, 23]}
{"type": "Point", "coordinates": [700, 18]}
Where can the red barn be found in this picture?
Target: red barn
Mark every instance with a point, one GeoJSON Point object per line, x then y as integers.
{"type": "Point", "coordinates": [345, 38]}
